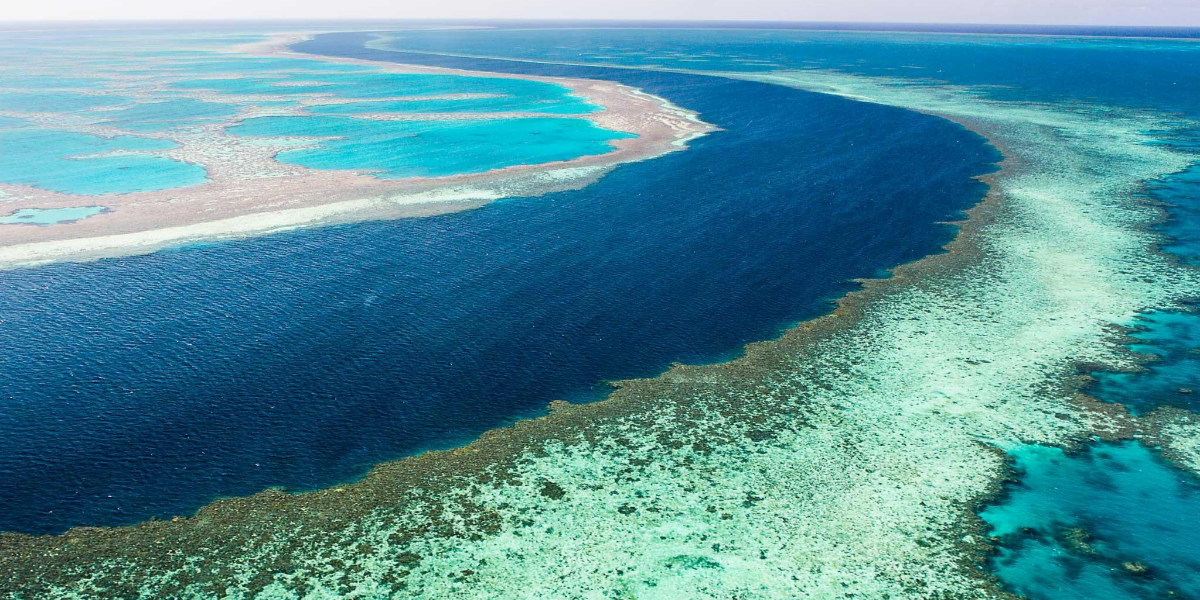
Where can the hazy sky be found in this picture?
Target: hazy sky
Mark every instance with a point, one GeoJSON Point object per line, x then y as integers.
{"type": "Point", "coordinates": [1082, 12]}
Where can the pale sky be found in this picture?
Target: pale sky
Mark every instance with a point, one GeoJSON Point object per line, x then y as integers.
{"type": "Point", "coordinates": [1074, 12]}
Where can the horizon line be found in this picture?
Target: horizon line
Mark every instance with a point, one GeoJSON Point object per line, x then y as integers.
{"type": "Point", "coordinates": [485, 20]}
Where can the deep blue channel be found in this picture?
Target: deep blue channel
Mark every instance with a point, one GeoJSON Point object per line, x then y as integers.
{"type": "Point", "coordinates": [148, 386]}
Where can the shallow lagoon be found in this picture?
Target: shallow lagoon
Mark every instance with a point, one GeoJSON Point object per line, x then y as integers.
{"type": "Point", "coordinates": [1113, 521]}
{"type": "Point", "coordinates": [50, 216]}
{"type": "Point", "coordinates": [1171, 376]}
{"type": "Point", "coordinates": [508, 95]}
{"type": "Point", "coordinates": [167, 114]}
{"type": "Point", "coordinates": [76, 163]}
{"type": "Point", "coordinates": [1170, 340]}
{"type": "Point", "coordinates": [396, 149]}
{"type": "Point", "coordinates": [163, 87]}
{"type": "Point", "coordinates": [1183, 223]}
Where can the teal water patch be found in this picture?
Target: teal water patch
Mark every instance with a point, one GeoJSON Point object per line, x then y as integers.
{"type": "Point", "coordinates": [63, 102]}
{"type": "Point", "coordinates": [10, 122]}
{"type": "Point", "coordinates": [1182, 193]}
{"type": "Point", "coordinates": [61, 161]}
{"type": "Point", "coordinates": [1113, 521]}
{"type": "Point", "coordinates": [396, 149]}
{"type": "Point", "coordinates": [1171, 339]}
{"type": "Point", "coordinates": [1172, 376]}
{"type": "Point", "coordinates": [50, 216]}
{"type": "Point", "coordinates": [168, 114]}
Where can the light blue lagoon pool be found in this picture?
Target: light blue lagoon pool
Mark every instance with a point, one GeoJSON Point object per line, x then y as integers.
{"type": "Point", "coordinates": [503, 94]}
{"type": "Point", "coordinates": [397, 149]}
{"type": "Point", "coordinates": [75, 163]}
{"type": "Point", "coordinates": [1110, 522]}
{"type": "Point", "coordinates": [62, 132]}
{"type": "Point", "coordinates": [167, 114]}
{"type": "Point", "coordinates": [50, 216]}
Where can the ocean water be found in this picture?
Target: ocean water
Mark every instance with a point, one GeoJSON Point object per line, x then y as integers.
{"type": "Point", "coordinates": [398, 149]}
{"type": "Point", "coordinates": [50, 216]}
{"type": "Point", "coordinates": [1136, 72]}
{"type": "Point", "coordinates": [1133, 493]}
{"type": "Point", "coordinates": [158, 383]}
{"type": "Point", "coordinates": [1172, 377]}
{"type": "Point", "coordinates": [76, 163]}
{"type": "Point", "coordinates": [1110, 522]}
{"type": "Point", "coordinates": [1183, 224]}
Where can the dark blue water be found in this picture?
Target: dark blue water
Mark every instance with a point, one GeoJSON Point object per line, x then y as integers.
{"type": "Point", "coordinates": [150, 385]}
{"type": "Point", "coordinates": [1159, 74]}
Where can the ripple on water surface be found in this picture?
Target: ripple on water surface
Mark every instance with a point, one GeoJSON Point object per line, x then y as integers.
{"type": "Point", "coordinates": [1112, 521]}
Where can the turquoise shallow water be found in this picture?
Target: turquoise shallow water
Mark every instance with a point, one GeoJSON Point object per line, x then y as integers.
{"type": "Point", "coordinates": [1172, 376]}
{"type": "Point", "coordinates": [433, 148]}
{"type": "Point", "coordinates": [154, 84]}
{"type": "Point", "coordinates": [59, 161]}
{"type": "Point", "coordinates": [1111, 522]}
{"type": "Point", "coordinates": [1183, 223]}
{"type": "Point", "coordinates": [449, 105]}
{"type": "Point", "coordinates": [168, 114]}
{"type": "Point", "coordinates": [65, 102]}
{"type": "Point", "coordinates": [1171, 340]}
{"type": "Point", "coordinates": [50, 216]}
{"type": "Point", "coordinates": [199, 64]}
{"type": "Point", "coordinates": [513, 94]}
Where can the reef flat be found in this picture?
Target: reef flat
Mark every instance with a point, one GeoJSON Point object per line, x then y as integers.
{"type": "Point", "coordinates": [845, 459]}
{"type": "Point", "coordinates": [185, 152]}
